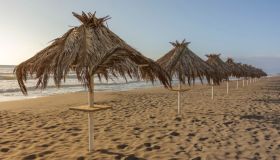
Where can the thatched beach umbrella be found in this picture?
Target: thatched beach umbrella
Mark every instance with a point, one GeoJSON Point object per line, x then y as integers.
{"type": "Point", "coordinates": [248, 72]}
{"type": "Point", "coordinates": [89, 49]}
{"type": "Point", "coordinates": [236, 70]}
{"type": "Point", "coordinates": [256, 73]}
{"type": "Point", "coordinates": [180, 62]}
{"type": "Point", "coordinates": [221, 68]}
{"type": "Point", "coordinates": [242, 72]}
{"type": "Point", "coordinates": [260, 73]}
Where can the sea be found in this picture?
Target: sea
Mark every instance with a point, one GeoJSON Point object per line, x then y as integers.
{"type": "Point", "coordinates": [10, 91]}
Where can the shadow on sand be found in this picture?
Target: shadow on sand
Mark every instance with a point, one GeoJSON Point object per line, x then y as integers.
{"type": "Point", "coordinates": [267, 118]}
{"type": "Point", "coordinates": [119, 155]}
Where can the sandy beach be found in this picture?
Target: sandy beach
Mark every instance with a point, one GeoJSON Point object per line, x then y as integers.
{"type": "Point", "coordinates": [143, 124]}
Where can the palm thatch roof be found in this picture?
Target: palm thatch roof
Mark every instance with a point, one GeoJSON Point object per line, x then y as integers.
{"type": "Point", "coordinates": [236, 69]}
{"type": "Point", "coordinates": [221, 68]}
{"type": "Point", "coordinates": [89, 49]}
{"type": "Point", "coordinates": [243, 70]}
{"type": "Point", "coordinates": [248, 70]}
{"type": "Point", "coordinates": [260, 73]}
{"type": "Point", "coordinates": [185, 65]}
{"type": "Point", "coordinates": [254, 72]}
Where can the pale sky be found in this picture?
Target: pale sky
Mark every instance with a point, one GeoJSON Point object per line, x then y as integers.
{"type": "Point", "coordinates": [238, 28]}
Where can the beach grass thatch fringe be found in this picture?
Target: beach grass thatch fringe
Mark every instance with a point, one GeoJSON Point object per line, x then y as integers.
{"type": "Point", "coordinates": [253, 72]}
{"type": "Point", "coordinates": [236, 69]}
{"type": "Point", "coordinates": [180, 62]}
{"type": "Point", "coordinates": [222, 70]}
{"type": "Point", "coordinates": [88, 49]}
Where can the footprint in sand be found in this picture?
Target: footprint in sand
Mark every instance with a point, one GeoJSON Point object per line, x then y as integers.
{"type": "Point", "coordinates": [122, 146]}
{"type": "Point", "coordinates": [174, 133]}
{"type": "Point", "coordinates": [150, 147]}
{"type": "Point", "coordinates": [42, 154]}
{"type": "Point", "coordinates": [81, 158]}
{"type": "Point", "coordinates": [4, 149]}
{"type": "Point", "coordinates": [203, 138]}
{"type": "Point", "coordinates": [131, 157]}
{"type": "Point", "coordinates": [197, 158]}
{"type": "Point", "coordinates": [30, 157]}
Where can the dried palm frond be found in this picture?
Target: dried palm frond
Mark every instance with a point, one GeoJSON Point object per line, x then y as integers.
{"type": "Point", "coordinates": [247, 70]}
{"type": "Point", "coordinates": [221, 68]}
{"type": "Point", "coordinates": [89, 49]}
{"type": "Point", "coordinates": [254, 72]}
{"type": "Point", "coordinates": [236, 69]}
{"type": "Point", "coordinates": [182, 63]}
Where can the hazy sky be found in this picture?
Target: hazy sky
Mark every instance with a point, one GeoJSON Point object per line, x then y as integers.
{"type": "Point", "coordinates": [235, 28]}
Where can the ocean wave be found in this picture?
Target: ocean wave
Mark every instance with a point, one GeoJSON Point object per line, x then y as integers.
{"type": "Point", "coordinates": [70, 85]}
{"type": "Point", "coordinates": [7, 77]}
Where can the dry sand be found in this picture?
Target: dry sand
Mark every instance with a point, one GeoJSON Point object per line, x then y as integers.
{"type": "Point", "coordinates": [143, 124]}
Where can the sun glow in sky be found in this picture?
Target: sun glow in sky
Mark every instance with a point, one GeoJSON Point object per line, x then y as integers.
{"type": "Point", "coordinates": [13, 47]}
{"type": "Point", "coordinates": [234, 28]}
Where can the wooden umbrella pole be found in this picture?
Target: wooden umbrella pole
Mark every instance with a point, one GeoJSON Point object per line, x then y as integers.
{"type": "Point", "coordinates": [212, 83]}
{"type": "Point", "coordinates": [227, 86]}
{"type": "Point", "coordinates": [179, 97]}
{"type": "Point", "coordinates": [90, 115]}
{"type": "Point", "coordinates": [237, 83]}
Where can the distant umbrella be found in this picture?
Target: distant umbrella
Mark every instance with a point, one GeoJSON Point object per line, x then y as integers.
{"type": "Point", "coordinates": [180, 62]}
{"type": "Point", "coordinates": [89, 49]}
{"type": "Point", "coordinates": [255, 72]}
{"type": "Point", "coordinates": [221, 68]}
{"type": "Point", "coordinates": [236, 70]}
{"type": "Point", "coordinates": [247, 71]}
{"type": "Point", "coordinates": [243, 72]}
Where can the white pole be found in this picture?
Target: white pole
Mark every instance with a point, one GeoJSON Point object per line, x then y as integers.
{"type": "Point", "coordinates": [212, 83]}
{"type": "Point", "coordinates": [247, 82]}
{"type": "Point", "coordinates": [179, 97]}
{"type": "Point", "coordinates": [90, 131]}
{"type": "Point", "coordinates": [243, 82]}
{"type": "Point", "coordinates": [237, 83]}
{"type": "Point", "coordinates": [90, 116]}
{"type": "Point", "coordinates": [90, 93]}
{"type": "Point", "coordinates": [227, 86]}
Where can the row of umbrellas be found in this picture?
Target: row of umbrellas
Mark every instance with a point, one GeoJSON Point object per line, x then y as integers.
{"type": "Point", "coordinates": [93, 49]}
{"type": "Point", "coordinates": [183, 64]}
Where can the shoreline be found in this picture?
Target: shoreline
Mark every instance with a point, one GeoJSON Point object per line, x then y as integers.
{"type": "Point", "coordinates": [22, 97]}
